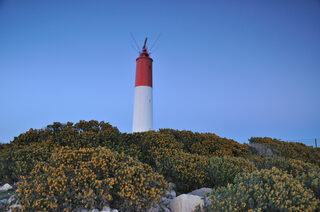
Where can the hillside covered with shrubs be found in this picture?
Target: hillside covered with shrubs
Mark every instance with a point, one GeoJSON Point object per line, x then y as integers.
{"type": "Point", "coordinates": [65, 167]}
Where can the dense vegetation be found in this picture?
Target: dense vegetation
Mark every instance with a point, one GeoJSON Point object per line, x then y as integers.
{"type": "Point", "coordinates": [91, 164]}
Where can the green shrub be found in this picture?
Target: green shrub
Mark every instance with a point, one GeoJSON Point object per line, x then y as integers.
{"type": "Point", "coordinates": [292, 150]}
{"type": "Point", "coordinates": [187, 171]}
{"type": "Point", "coordinates": [81, 134]}
{"type": "Point", "coordinates": [166, 156]}
{"type": "Point", "coordinates": [311, 180]}
{"type": "Point", "coordinates": [207, 144]}
{"type": "Point", "coordinates": [222, 170]}
{"type": "Point", "coordinates": [90, 178]}
{"type": "Point", "coordinates": [16, 161]}
{"type": "Point", "coordinates": [291, 166]}
{"type": "Point", "coordinates": [265, 190]}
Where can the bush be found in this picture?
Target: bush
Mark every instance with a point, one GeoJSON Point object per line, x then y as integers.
{"type": "Point", "coordinates": [187, 171]}
{"type": "Point", "coordinates": [292, 150]}
{"type": "Point", "coordinates": [207, 144]}
{"type": "Point", "coordinates": [311, 180]}
{"type": "Point", "coordinates": [222, 170]}
{"type": "Point", "coordinates": [19, 157]}
{"type": "Point", "coordinates": [265, 190]}
{"type": "Point", "coordinates": [90, 178]}
{"type": "Point", "coordinates": [166, 156]}
{"type": "Point", "coordinates": [19, 161]}
{"type": "Point", "coordinates": [81, 134]}
{"type": "Point", "coordinates": [291, 166]}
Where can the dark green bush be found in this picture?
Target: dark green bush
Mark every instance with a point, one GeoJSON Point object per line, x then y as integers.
{"type": "Point", "coordinates": [90, 178]}
{"type": "Point", "coordinates": [291, 166]}
{"type": "Point", "coordinates": [207, 144]}
{"type": "Point", "coordinates": [265, 190]}
{"type": "Point", "coordinates": [311, 179]}
{"type": "Point", "coordinates": [222, 170]}
{"type": "Point", "coordinates": [82, 134]}
{"type": "Point", "coordinates": [165, 155]}
{"type": "Point", "coordinates": [16, 161]}
{"type": "Point", "coordinates": [292, 150]}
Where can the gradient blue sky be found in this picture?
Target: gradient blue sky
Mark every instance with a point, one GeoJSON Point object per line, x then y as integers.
{"type": "Point", "coordinates": [235, 68]}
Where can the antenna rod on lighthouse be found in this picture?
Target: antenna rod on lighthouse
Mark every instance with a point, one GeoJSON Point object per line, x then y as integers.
{"type": "Point", "coordinates": [145, 42]}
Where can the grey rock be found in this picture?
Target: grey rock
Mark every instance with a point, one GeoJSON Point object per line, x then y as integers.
{"type": "Point", "coordinates": [263, 150]}
{"type": "Point", "coordinates": [186, 203]}
{"type": "Point", "coordinates": [4, 201]}
{"type": "Point", "coordinates": [5, 187]}
{"type": "Point", "coordinates": [13, 199]}
{"type": "Point", "coordinates": [172, 186]}
{"type": "Point", "coordinates": [114, 210]}
{"type": "Point", "coordinates": [155, 208]}
{"type": "Point", "coordinates": [201, 192]}
{"type": "Point", "coordinates": [171, 194]}
{"type": "Point", "coordinates": [165, 209]}
{"type": "Point", "coordinates": [165, 201]}
{"type": "Point", "coordinates": [207, 201]}
{"type": "Point", "coordinates": [106, 209]}
{"type": "Point", "coordinates": [95, 210]}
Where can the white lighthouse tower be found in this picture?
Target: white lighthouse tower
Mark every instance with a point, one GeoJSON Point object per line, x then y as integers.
{"type": "Point", "coordinates": [143, 112]}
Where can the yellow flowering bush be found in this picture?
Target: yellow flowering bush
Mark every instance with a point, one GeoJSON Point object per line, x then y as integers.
{"type": "Point", "coordinates": [207, 144]}
{"type": "Point", "coordinates": [311, 180]}
{"type": "Point", "coordinates": [292, 150]}
{"type": "Point", "coordinates": [81, 134]}
{"type": "Point", "coordinates": [90, 178]}
{"type": "Point", "coordinates": [187, 171]}
{"type": "Point", "coordinates": [291, 166]}
{"type": "Point", "coordinates": [19, 157]}
{"type": "Point", "coordinates": [16, 161]}
{"type": "Point", "coordinates": [265, 190]}
{"type": "Point", "coordinates": [222, 170]}
{"type": "Point", "coordinates": [161, 151]}
{"type": "Point", "coordinates": [69, 166]}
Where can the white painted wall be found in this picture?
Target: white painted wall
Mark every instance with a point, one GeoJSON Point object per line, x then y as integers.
{"type": "Point", "coordinates": [142, 111]}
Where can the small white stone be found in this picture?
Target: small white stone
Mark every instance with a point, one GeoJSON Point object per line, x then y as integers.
{"type": "Point", "coordinates": [186, 203]}
{"type": "Point", "coordinates": [106, 209]}
{"type": "Point", "coordinates": [94, 210]}
{"type": "Point", "coordinates": [5, 187]}
{"type": "Point", "coordinates": [114, 210]}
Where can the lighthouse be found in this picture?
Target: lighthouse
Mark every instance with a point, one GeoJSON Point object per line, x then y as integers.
{"type": "Point", "coordinates": [142, 111]}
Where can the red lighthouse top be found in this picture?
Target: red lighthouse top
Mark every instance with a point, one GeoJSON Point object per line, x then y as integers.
{"type": "Point", "coordinates": [144, 68]}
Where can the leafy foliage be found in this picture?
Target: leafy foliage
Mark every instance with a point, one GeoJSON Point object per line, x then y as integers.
{"type": "Point", "coordinates": [207, 144]}
{"type": "Point", "coordinates": [90, 164]}
{"type": "Point", "coordinates": [90, 178]}
{"type": "Point", "coordinates": [292, 150]}
{"type": "Point", "coordinates": [265, 190]}
{"type": "Point", "coordinates": [311, 180]}
{"type": "Point", "coordinates": [222, 170]}
{"type": "Point", "coordinates": [291, 166]}
{"type": "Point", "coordinates": [165, 155]}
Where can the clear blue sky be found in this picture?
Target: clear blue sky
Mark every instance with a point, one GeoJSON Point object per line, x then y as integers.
{"type": "Point", "coordinates": [235, 68]}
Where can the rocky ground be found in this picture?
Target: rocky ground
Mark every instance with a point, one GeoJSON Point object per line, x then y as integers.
{"type": "Point", "coordinates": [170, 203]}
